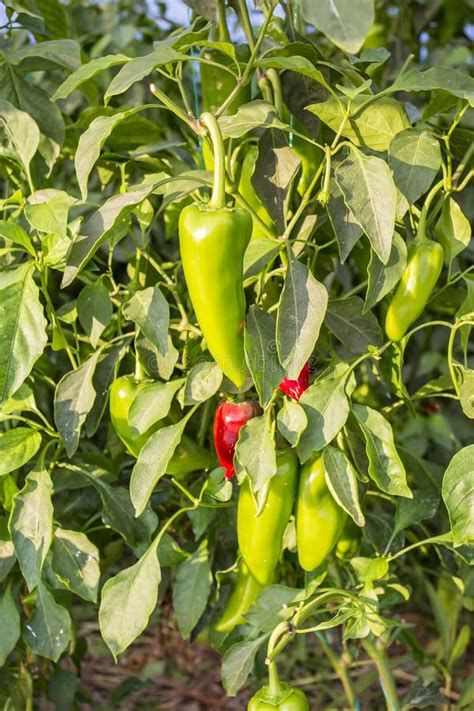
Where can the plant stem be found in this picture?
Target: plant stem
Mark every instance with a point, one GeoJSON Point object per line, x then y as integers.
{"type": "Point", "coordinates": [244, 17]}
{"type": "Point", "coordinates": [421, 232]}
{"type": "Point", "coordinates": [217, 200]}
{"type": "Point", "coordinates": [340, 669]}
{"type": "Point", "coordinates": [172, 106]}
{"type": "Point", "coordinates": [224, 35]}
{"type": "Point", "coordinates": [385, 674]}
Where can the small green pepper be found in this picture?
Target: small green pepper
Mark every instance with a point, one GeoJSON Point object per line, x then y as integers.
{"type": "Point", "coordinates": [415, 287]}
{"type": "Point", "coordinates": [188, 456]}
{"type": "Point", "coordinates": [246, 591]}
{"type": "Point", "coordinates": [349, 541]}
{"type": "Point", "coordinates": [260, 536]}
{"type": "Point", "coordinates": [289, 699]}
{"type": "Point", "coordinates": [249, 194]}
{"type": "Point", "coordinates": [319, 519]}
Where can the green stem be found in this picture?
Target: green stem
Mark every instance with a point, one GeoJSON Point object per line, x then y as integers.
{"type": "Point", "coordinates": [244, 17]}
{"type": "Point", "coordinates": [172, 106]}
{"type": "Point", "coordinates": [249, 68]}
{"type": "Point", "coordinates": [340, 669]}
{"type": "Point", "coordinates": [385, 674]}
{"type": "Point", "coordinates": [273, 680]}
{"type": "Point", "coordinates": [224, 35]}
{"type": "Point", "coordinates": [442, 538]}
{"type": "Point", "coordinates": [217, 201]}
{"type": "Point", "coordinates": [274, 79]}
{"type": "Point", "coordinates": [421, 232]}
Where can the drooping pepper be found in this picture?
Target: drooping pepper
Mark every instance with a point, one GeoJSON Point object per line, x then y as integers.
{"type": "Point", "coordinates": [246, 591]}
{"type": "Point", "coordinates": [295, 388]}
{"type": "Point", "coordinates": [414, 289]}
{"type": "Point", "coordinates": [349, 540]}
{"type": "Point", "coordinates": [319, 519]}
{"type": "Point", "coordinates": [188, 457]}
{"type": "Point", "coordinates": [248, 192]}
{"type": "Point", "coordinates": [213, 239]}
{"type": "Point", "coordinates": [260, 536]}
{"type": "Point", "coordinates": [228, 420]}
{"type": "Point", "coordinates": [289, 699]}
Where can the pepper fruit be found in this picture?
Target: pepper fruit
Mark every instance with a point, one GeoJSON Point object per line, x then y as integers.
{"type": "Point", "coordinates": [295, 388]}
{"type": "Point", "coordinates": [248, 192]}
{"type": "Point", "coordinates": [188, 456]}
{"type": "Point", "coordinates": [414, 289]}
{"type": "Point", "coordinates": [213, 239]}
{"type": "Point", "coordinates": [349, 540]}
{"type": "Point", "coordinates": [246, 591]}
{"type": "Point", "coordinates": [289, 699]}
{"type": "Point", "coordinates": [319, 519]}
{"type": "Point", "coordinates": [260, 536]}
{"type": "Point", "coordinates": [309, 154]}
{"type": "Point", "coordinates": [228, 420]}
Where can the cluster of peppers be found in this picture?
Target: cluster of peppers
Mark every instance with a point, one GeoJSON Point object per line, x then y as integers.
{"type": "Point", "coordinates": [213, 238]}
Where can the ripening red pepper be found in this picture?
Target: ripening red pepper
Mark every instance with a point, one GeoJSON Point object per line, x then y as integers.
{"type": "Point", "coordinates": [228, 419]}
{"type": "Point", "coordinates": [295, 388]}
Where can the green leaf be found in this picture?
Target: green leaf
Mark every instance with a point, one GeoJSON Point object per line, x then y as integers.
{"type": "Point", "coordinates": [370, 569]}
{"type": "Point", "coordinates": [86, 72]}
{"type": "Point", "coordinates": [11, 232]}
{"type": "Point", "coordinates": [127, 601]}
{"type": "Point", "coordinates": [258, 254]}
{"type": "Point", "coordinates": [346, 228]}
{"type": "Point", "coordinates": [9, 624]}
{"type": "Point", "coordinates": [153, 461]}
{"type": "Point", "coordinates": [73, 400]}
{"type": "Point", "coordinates": [275, 168]}
{"type": "Point", "coordinates": [7, 558]}
{"type": "Point", "coordinates": [458, 495]}
{"type": "Point", "coordinates": [385, 466]}
{"type": "Point", "coordinates": [94, 310]}
{"type": "Point", "coordinates": [22, 131]}
{"type": "Point", "coordinates": [34, 102]}
{"type": "Point", "coordinates": [426, 495]}
{"type": "Point", "coordinates": [46, 56]}
{"type": "Point", "coordinates": [261, 356]}
{"type": "Point", "coordinates": [342, 482]}
{"type": "Point", "coordinates": [453, 230]}
{"type": "Point", "coordinates": [157, 365]}
{"type": "Point", "coordinates": [48, 632]}
{"type": "Point", "coordinates": [31, 524]}
{"type": "Point", "coordinates": [295, 63]}
{"type": "Point", "coordinates": [104, 373]}
{"type": "Point", "coordinates": [90, 143]}
{"type": "Point", "coordinates": [23, 333]}
{"type": "Point", "coordinates": [466, 393]}
{"type": "Point", "coordinates": [152, 404]}
{"type": "Point", "coordinates": [255, 451]}
{"type": "Point", "coordinates": [369, 192]}
{"type": "Point", "coordinates": [149, 309]}
{"type": "Point", "coordinates": [17, 446]}
{"type": "Point", "coordinates": [384, 277]}
{"type": "Point", "coordinates": [272, 605]}
{"type": "Point", "coordinates": [414, 157]}
{"type": "Point", "coordinates": [47, 211]}
{"type": "Point", "coordinates": [204, 380]}
{"type": "Point", "coordinates": [448, 79]}
{"type": "Point", "coordinates": [373, 126]}
{"type": "Point", "coordinates": [291, 421]}
{"type": "Point", "coordinates": [76, 562]}
{"type": "Point", "coordinates": [344, 24]}
{"type": "Point", "coordinates": [356, 330]}
{"type": "Point", "coordinates": [98, 228]}
{"type": "Point", "coordinates": [237, 663]}
{"type": "Point", "coordinates": [191, 589]}
{"type": "Point", "coordinates": [301, 313]}
{"type": "Point", "coordinates": [248, 117]}
{"type": "Point", "coordinates": [326, 406]}
{"type": "Point", "coordinates": [119, 514]}
{"type": "Point", "coordinates": [140, 67]}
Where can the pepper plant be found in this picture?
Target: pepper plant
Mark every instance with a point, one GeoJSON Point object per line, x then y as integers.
{"type": "Point", "coordinates": [236, 301]}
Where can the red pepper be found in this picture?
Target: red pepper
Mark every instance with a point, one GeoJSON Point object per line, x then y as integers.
{"type": "Point", "coordinates": [295, 388]}
{"type": "Point", "coordinates": [229, 418]}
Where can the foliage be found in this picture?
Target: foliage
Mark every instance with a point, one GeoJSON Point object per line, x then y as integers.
{"type": "Point", "coordinates": [101, 148]}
